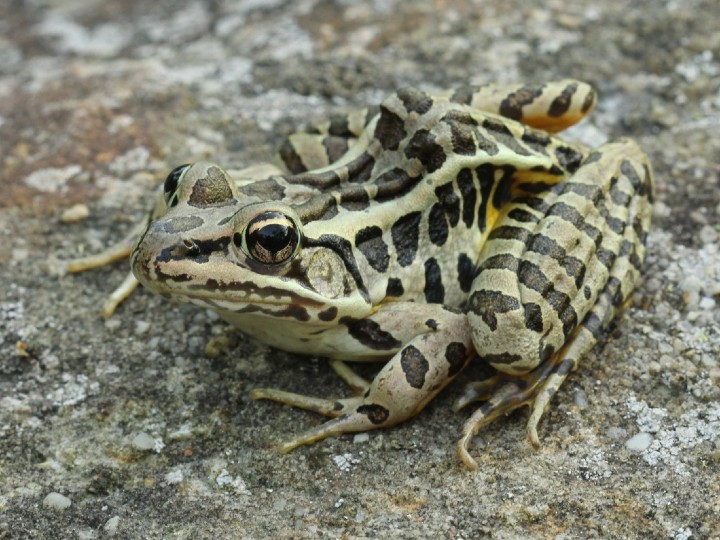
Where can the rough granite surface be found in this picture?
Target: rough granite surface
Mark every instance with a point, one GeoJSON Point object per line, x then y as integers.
{"type": "Point", "coordinates": [129, 428]}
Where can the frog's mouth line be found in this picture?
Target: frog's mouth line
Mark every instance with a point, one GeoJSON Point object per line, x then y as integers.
{"type": "Point", "coordinates": [288, 311]}
{"type": "Point", "coordinates": [274, 303]}
{"type": "Point", "coordinates": [222, 302]}
{"type": "Point", "coordinates": [219, 294]}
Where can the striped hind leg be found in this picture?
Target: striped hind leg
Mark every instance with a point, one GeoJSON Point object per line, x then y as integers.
{"type": "Point", "coordinates": [537, 389]}
{"type": "Point", "coordinates": [552, 106]}
{"type": "Point", "coordinates": [536, 281]}
{"type": "Point", "coordinates": [322, 144]}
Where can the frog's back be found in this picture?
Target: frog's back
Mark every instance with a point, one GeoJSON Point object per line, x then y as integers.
{"type": "Point", "coordinates": [417, 194]}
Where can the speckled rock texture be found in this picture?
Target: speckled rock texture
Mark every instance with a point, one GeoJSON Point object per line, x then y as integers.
{"type": "Point", "coordinates": [129, 428]}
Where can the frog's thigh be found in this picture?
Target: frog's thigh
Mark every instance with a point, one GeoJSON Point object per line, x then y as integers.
{"type": "Point", "coordinates": [438, 345]}
{"type": "Point", "coordinates": [628, 213]}
{"type": "Point", "coordinates": [574, 259]}
{"type": "Point", "coordinates": [542, 269]}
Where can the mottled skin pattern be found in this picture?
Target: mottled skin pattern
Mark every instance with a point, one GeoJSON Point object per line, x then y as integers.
{"type": "Point", "coordinates": [432, 231]}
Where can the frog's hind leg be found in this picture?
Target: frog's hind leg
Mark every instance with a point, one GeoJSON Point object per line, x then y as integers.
{"type": "Point", "coordinates": [552, 106]}
{"type": "Point", "coordinates": [537, 389]}
{"type": "Point", "coordinates": [322, 144]}
{"type": "Point", "coordinates": [573, 256]}
{"type": "Point", "coordinates": [534, 390]}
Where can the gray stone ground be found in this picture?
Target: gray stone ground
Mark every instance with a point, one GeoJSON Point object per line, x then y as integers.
{"type": "Point", "coordinates": [127, 428]}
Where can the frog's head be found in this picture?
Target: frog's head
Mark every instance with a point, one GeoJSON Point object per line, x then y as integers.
{"type": "Point", "coordinates": [213, 246]}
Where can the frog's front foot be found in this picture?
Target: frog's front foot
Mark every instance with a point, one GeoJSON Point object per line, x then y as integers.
{"type": "Point", "coordinates": [349, 415]}
{"type": "Point", "coordinates": [439, 349]}
{"type": "Point", "coordinates": [116, 252]}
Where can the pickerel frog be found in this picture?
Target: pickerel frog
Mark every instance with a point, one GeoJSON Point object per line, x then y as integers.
{"type": "Point", "coordinates": [428, 233]}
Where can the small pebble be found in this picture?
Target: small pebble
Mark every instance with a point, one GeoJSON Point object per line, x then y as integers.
{"type": "Point", "coordinates": [361, 438]}
{"type": "Point", "coordinates": [143, 441]}
{"type": "Point", "coordinates": [196, 344]}
{"type": "Point", "coordinates": [56, 501]}
{"type": "Point", "coordinates": [707, 303]}
{"type": "Point", "coordinates": [112, 324]}
{"type": "Point", "coordinates": [708, 234]}
{"type": "Point", "coordinates": [708, 362]}
{"type": "Point", "coordinates": [661, 210]}
{"type": "Point", "coordinates": [698, 217]}
{"type": "Point", "coordinates": [653, 284]}
{"type": "Point", "coordinates": [174, 477]}
{"type": "Point", "coordinates": [75, 213]}
{"type": "Point", "coordinates": [580, 398]}
{"type": "Point", "coordinates": [300, 511]}
{"type": "Point", "coordinates": [691, 286]}
{"type": "Point", "coordinates": [141, 327]}
{"type": "Point", "coordinates": [654, 367]}
{"type": "Point", "coordinates": [87, 534]}
{"type": "Point", "coordinates": [639, 442]}
{"type": "Point", "coordinates": [50, 361]}
{"type": "Point", "coordinates": [20, 254]}
{"type": "Point", "coordinates": [714, 374]}
{"type": "Point", "coordinates": [183, 433]}
{"type": "Point", "coordinates": [616, 433]}
{"type": "Point", "coordinates": [111, 526]}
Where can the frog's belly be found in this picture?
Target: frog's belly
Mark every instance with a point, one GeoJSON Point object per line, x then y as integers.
{"type": "Point", "coordinates": [300, 337]}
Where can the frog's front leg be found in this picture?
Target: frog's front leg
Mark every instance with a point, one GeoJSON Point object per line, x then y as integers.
{"type": "Point", "coordinates": [437, 346]}
{"type": "Point", "coordinates": [116, 252]}
{"type": "Point", "coordinates": [552, 277]}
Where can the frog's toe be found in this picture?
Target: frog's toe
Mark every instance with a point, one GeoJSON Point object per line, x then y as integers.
{"type": "Point", "coordinates": [476, 391]}
{"type": "Point", "coordinates": [352, 379]}
{"type": "Point", "coordinates": [347, 423]}
{"type": "Point", "coordinates": [510, 396]}
{"type": "Point", "coordinates": [327, 429]}
{"type": "Point", "coordinates": [350, 415]}
{"type": "Point", "coordinates": [534, 390]}
{"type": "Point", "coordinates": [119, 295]}
{"type": "Point", "coordinates": [326, 407]}
{"type": "Point", "coordinates": [542, 397]}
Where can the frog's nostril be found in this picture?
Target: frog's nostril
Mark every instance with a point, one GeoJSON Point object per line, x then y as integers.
{"type": "Point", "coordinates": [186, 248]}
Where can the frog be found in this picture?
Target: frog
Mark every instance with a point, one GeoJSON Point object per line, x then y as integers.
{"type": "Point", "coordinates": [432, 231]}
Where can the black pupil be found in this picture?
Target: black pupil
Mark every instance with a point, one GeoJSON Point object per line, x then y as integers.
{"type": "Point", "coordinates": [273, 237]}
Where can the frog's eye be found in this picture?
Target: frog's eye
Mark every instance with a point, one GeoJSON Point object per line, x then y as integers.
{"type": "Point", "coordinates": [269, 238]}
{"type": "Point", "coordinates": [172, 182]}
